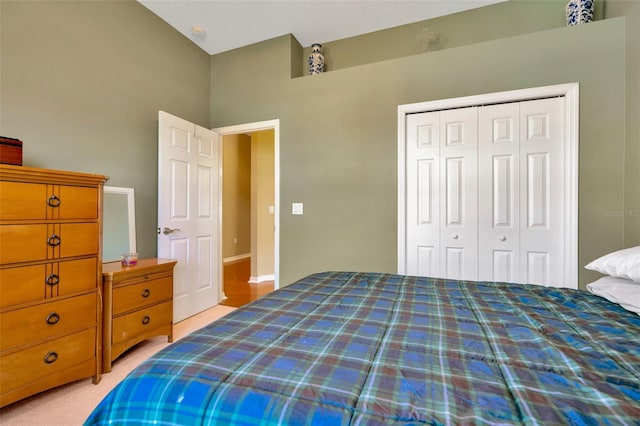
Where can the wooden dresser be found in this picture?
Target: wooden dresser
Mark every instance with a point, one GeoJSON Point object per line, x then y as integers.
{"type": "Point", "coordinates": [138, 304]}
{"type": "Point", "coordinates": [50, 275]}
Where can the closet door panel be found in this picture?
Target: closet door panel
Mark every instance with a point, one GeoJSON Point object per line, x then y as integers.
{"type": "Point", "coordinates": [498, 191]}
{"type": "Point", "coordinates": [423, 194]}
{"type": "Point", "coordinates": [504, 265]}
{"type": "Point", "coordinates": [455, 191]}
{"type": "Point", "coordinates": [538, 191]}
{"type": "Point", "coordinates": [426, 267]}
{"type": "Point", "coordinates": [455, 263]}
{"type": "Point", "coordinates": [538, 267]}
{"type": "Point", "coordinates": [542, 225]}
{"type": "Point", "coordinates": [459, 189]}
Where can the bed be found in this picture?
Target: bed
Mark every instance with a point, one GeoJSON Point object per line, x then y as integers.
{"type": "Point", "coordinates": [340, 348]}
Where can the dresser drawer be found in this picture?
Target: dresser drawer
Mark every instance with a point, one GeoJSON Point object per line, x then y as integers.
{"type": "Point", "coordinates": [23, 201]}
{"type": "Point", "coordinates": [30, 365]}
{"type": "Point", "coordinates": [39, 201]}
{"type": "Point", "coordinates": [25, 284]}
{"type": "Point", "coordinates": [23, 243]}
{"type": "Point", "coordinates": [46, 320]}
{"type": "Point", "coordinates": [77, 202]}
{"type": "Point", "coordinates": [26, 243]}
{"type": "Point", "coordinates": [148, 292]}
{"type": "Point", "coordinates": [140, 322]}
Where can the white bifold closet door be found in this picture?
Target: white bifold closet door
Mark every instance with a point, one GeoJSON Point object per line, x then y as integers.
{"type": "Point", "coordinates": [484, 193]}
{"type": "Point", "coordinates": [443, 187]}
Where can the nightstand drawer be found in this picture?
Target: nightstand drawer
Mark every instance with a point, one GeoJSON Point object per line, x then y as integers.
{"type": "Point", "coordinates": [50, 358]}
{"type": "Point", "coordinates": [46, 320]}
{"type": "Point", "coordinates": [141, 322]}
{"type": "Point", "coordinates": [148, 292]}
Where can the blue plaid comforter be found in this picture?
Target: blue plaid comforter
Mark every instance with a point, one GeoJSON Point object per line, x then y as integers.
{"type": "Point", "coordinates": [342, 348]}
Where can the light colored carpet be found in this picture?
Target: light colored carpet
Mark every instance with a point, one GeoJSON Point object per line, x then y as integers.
{"type": "Point", "coordinates": [71, 404]}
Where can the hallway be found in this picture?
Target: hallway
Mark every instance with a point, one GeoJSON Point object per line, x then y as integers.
{"type": "Point", "coordinates": [236, 286]}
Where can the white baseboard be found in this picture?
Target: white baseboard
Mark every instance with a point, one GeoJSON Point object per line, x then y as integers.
{"type": "Point", "coordinates": [261, 279]}
{"type": "Point", "coordinates": [236, 258]}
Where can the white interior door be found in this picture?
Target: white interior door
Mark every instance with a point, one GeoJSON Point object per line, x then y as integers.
{"type": "Point", "coordinates": [188, 212]}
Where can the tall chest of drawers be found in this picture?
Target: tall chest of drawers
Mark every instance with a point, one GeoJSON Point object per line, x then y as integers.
{"type": "Point", "coordinates": [50, 279]}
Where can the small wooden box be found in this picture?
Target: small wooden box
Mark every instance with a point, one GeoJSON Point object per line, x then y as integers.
{"type": "Point", "coordinates": [10, 151]}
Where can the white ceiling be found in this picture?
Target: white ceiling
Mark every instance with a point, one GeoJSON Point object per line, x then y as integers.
{"type": "Point", "coordinates": [229, 24]}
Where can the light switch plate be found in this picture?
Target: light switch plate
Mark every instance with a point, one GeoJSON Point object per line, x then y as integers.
{"type": "Point", "coordinates": [296, 208]}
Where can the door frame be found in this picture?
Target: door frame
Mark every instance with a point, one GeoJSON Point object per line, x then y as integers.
{"type": "Point", "coordinates": [570, 92]}
{"type": "Point", "coordinates": [254, 127]}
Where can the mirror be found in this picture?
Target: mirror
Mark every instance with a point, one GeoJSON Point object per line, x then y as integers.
{"type": "Point", "coordinates": [119, 223]}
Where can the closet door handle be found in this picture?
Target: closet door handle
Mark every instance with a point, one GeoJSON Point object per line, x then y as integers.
{"type": "Point", "coordinates": [502, 238]}
{"type": "Point", "coordinates": [455, 236]}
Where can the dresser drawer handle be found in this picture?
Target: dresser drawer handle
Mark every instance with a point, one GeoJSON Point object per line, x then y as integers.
{"type": "Point", "coordinates": [50, 358]}
{"type": "Point", "coordinates": [53, 201]}
{"type": "Point", "coordinates": [146, 292]}
{"type": "Point", "coordinates": [53, 279]}
{"type": "Point", "coordinates": [146, 320]}
{"type": "Point", "coordinates": [53, 318]}
{"type": "Point", "coordinates": [54, 240]}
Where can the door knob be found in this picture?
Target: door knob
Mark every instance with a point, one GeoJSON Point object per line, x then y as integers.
{"type": "Point", "coordinates": [502, 238]}
{"type": "Point", "coordinates": [167, 231]}
{"type": "Point", "coordinates": [455, 236]}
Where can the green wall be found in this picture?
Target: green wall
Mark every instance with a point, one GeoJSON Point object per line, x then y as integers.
{"type": "Point", "coordinates": [631, 209]}
{"type": "Point", "coordinates": [493, 22]}
{"type": "Point", "coordinates": [338, 139]}
{"type": "Point", "coordinates": [81, 84]}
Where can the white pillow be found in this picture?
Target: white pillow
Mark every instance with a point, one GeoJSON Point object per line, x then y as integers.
{"type": "Point", "coordinates": [625, 293]}
{"type": "Point", "coordinates": [622, 263]}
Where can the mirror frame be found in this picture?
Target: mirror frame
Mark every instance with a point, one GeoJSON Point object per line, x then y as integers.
{"type": "Point", "coordinates": [131, 215]}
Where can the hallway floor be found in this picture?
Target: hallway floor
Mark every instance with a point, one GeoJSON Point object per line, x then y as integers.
{"type": "Point", "coordinates": [236, 286]}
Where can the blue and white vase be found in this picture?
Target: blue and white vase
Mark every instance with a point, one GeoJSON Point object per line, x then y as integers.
{"type": "Point", "coordinates": [316, 60]}
{"type": "Point", "coordinates": [579, 11]}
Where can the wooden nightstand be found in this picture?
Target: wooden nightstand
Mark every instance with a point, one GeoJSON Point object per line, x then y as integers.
{"type": "Point", "coordinates": [138, 304]}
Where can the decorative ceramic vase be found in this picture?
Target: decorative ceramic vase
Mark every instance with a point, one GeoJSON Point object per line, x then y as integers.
{"type": "Point", "coordinates": [316, 60]}
{"type": "Point", "coordinates": [579, 11]}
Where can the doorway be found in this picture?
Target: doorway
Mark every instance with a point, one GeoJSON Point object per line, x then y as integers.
{"type": "Point", "coordinates": [249, 211]}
